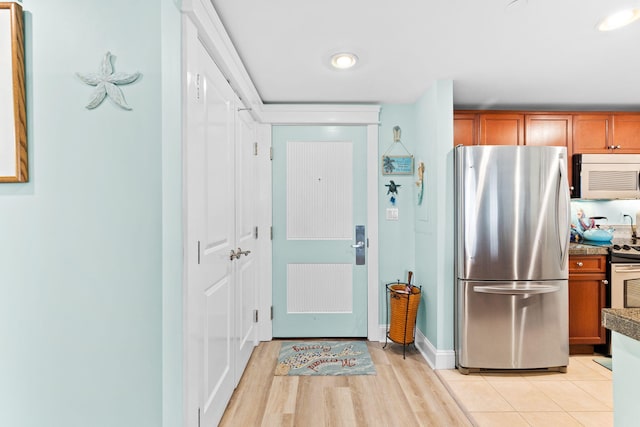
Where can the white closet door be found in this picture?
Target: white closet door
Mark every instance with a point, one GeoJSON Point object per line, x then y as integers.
{"type": "Point", "coordinates": [210, 234]}
{"type": "Point", "coordinates": [247, 265]}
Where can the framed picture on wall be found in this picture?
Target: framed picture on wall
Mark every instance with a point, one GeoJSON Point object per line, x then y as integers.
{"type": "Point", "coordinates": [397, 165]}
{"type": "Point", "coordinates": [13, 112]}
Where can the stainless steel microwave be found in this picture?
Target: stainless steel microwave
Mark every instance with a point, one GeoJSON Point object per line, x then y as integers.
{"type": "Point", "coordinates": [606, 176]}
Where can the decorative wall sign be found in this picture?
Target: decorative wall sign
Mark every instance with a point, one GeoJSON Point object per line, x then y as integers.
{"type": "Point", "coordinates": [397, 164]}
{"type": "Point", "coordinates": [106, 82]}
{"type": "Point", "coordinates": [13, 111]}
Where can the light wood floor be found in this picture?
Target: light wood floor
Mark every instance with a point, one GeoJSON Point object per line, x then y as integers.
{"type": "Point", "coordinates": [405, 392]}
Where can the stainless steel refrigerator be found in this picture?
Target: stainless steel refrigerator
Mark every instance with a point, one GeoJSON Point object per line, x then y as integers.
{"type": "Point", "coordinates": [512, 242]}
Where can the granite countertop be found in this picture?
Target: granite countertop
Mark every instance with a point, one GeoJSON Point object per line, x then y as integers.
{"type": "Point", "coordinates": [580, 249]}
{"type": "Point", "coordinates": [625, 321]}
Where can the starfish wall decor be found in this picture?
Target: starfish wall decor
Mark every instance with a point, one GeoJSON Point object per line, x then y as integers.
{"type": "Point", "coordinates": [106, 83]}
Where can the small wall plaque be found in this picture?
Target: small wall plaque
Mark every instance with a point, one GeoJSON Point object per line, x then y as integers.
{"type": "Point", "coordinates": [397, 165]}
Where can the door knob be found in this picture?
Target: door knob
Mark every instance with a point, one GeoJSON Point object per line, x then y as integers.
{"type": "Point", "coordinates": [358, 245]}
{"type": "Point", "coordinates": [241, 252]}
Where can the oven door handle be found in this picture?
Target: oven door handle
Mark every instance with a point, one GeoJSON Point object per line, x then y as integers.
{"type": "Point", "coordinates": [627, 268]}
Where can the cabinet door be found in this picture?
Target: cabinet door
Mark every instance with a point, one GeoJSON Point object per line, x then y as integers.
{"type": "Point", "coordinates": [501, 129]}
{"type": "Point", "coordinates": [587, 295]}
{"type": "Point", "coordinates": [625, 134]}
{"type": "Point", "coordinates": [551, 130]}
{"type": "Point", "coordinates": [591, 133]}
{"type": "Point", "coordinates": [465, 129]}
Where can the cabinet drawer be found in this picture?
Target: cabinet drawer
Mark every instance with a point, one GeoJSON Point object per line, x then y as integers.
{"type": "Point", "coordinates": [587, 264]}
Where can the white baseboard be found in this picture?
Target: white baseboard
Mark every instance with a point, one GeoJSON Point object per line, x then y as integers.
{"type": "Point", "coordinates": [437, 359]}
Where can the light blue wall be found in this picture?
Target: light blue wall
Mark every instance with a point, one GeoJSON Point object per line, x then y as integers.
{"type": "Point", "coordinates": [434, 218]}
{"type": "Point", "coordinates": [81, 271]}
{"type": "Point", "coordinates": [172, 248]}
{"type": "Point", "coordinates": [422, 240]}
{"type": "Point", "coordinates": [396, 238]}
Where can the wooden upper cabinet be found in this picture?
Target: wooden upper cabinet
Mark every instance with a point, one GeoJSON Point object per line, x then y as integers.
{"type": "Point", "coordinates": [580, 132]}
{"type": "Point", "coordinates": [549, 129]}
{"type": "Point", "coordinates": [465, 129]}
{"type": "Point", "coordinates": [591, 133]}
{"type": "Point", "coordinates": [501, 129]}
{"type": "Point", "coordinates": [625, 133]}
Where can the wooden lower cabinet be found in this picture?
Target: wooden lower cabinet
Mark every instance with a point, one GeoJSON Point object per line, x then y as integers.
{"type": "Point", "coordinates": [587, 297]}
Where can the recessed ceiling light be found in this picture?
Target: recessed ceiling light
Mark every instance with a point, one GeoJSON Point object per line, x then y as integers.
{"type": "Point", "coordinates": [619, 19]}
{"type": "Point", "coordinates": [343, 60]}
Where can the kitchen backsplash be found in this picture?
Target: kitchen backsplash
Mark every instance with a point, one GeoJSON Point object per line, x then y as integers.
{"type": "Point", "coordinates": [612, 209]}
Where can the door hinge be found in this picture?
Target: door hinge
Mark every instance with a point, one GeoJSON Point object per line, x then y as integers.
{"type": "Point", "coordinates": [255, 148]}
{"type": "Point", "coordinates": [271, 232]}
{"type": "Point", "coordinates": [198, 252]}
{"type": "Point", "coordinates": [255, 232]}
{"type": "Point", "coordinates": [271, 315]}
{"type": "Point", "coordinates": [367, 242]}
{"type": "Point", "coordinates": [270, 153]}
{"type": "Point", "coordinates": [197, 86]}
{"type": "Point", "coordinates": [198, 417]}
{"type": "Point", "coordinates": [255, 316]}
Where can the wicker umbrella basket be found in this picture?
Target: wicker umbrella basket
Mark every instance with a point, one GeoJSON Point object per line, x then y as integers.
{"type": "Point", "coordinates": [403, 306]}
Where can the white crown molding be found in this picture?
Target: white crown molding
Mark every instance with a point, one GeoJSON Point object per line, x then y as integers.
{"type": "Point", "coordinates": [217, 41]}
{"type": "Point", "coordinates": [282, 114]}
{"type": "Point", "coordinates": [219, 45]}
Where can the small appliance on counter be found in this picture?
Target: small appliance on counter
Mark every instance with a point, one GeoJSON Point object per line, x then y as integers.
{"type": "Point", "coordinates": [596, 232]}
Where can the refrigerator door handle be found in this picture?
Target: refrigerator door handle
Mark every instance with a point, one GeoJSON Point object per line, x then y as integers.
{"type": "Point", "coordinates": [563, 229]}
{"type": "Point", "coordinates": [517, 290]}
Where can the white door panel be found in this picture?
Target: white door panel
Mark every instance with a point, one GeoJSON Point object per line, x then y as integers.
{"type": "Point", "coordinates": [221, 212]}
{"type": "Point", "coordinates": [210, 193]}
{"type": "Point", "coordinates": [218, 336]}
{"type": "Point", "coordinates": [246, 220]}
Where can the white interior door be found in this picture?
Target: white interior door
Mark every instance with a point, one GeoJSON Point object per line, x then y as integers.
{"type": "Point", "coordinates": [210, 239]}
{"type": "Point", "coordinates": [247, 265]}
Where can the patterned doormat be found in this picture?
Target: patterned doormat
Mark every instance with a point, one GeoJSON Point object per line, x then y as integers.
{"type": "Point", "coordinates": [325, 358]}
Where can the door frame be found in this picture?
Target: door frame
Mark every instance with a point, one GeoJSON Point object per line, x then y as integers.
{"type": "Point", "coordinates": [355, 115]}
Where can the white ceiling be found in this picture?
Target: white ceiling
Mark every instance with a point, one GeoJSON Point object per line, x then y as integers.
{"type": "Point", "coordinates": [543, 54]}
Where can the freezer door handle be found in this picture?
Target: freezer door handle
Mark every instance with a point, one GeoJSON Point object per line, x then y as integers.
{"type": "Point", "coordinates": [517, 290]}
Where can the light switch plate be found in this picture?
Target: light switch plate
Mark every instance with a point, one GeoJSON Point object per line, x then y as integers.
{"type": "Point", "coordinates": [392, 214]}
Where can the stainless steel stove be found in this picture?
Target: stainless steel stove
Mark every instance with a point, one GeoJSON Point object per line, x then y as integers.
{"type": "Point", "coordinates": [625, 250]}
{"type": "Point", "coordinates": [625, 273]}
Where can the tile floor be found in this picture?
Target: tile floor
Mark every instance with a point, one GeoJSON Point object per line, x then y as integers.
{"type": "Point", "coordinates": [581, 397]}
